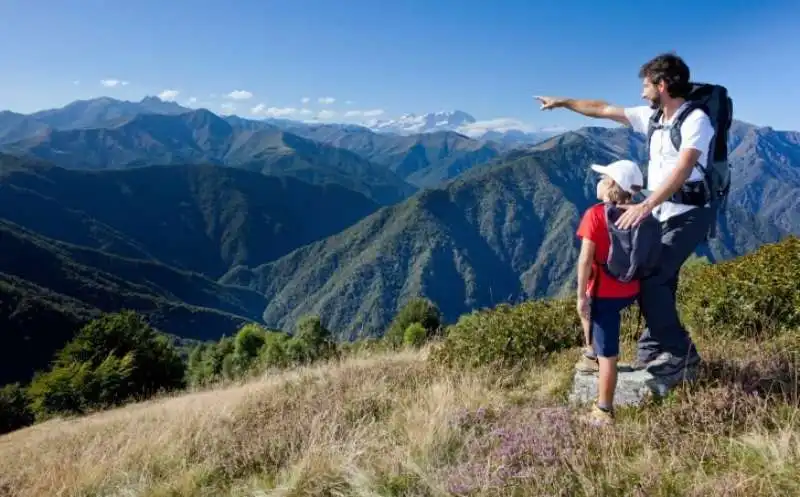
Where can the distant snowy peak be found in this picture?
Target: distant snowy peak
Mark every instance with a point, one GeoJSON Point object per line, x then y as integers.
{"type": "Point", "coordinates": [425, 123]}
{"type": "Point", "coordinates": [505, 131]}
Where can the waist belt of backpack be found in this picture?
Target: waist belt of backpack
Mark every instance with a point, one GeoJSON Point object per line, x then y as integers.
{"type": "Point", "coordinates": [691, 193]}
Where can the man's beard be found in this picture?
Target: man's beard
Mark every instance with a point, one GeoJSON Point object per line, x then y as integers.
{"type": "Point", "coordinates": [655, 103]}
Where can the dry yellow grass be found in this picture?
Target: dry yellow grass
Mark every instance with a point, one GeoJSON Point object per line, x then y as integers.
{"type": "Point", "coordinates": [393, 424]}
{"type": "Point", "coordinates": [322, 419]}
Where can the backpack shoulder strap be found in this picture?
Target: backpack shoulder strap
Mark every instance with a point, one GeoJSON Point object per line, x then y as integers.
{"type": "Point", "coordinates": [652, 125]}
{"type": "Point", "coordinates": [675, 131]}
{"type": "Point", "coordinates": [611, 213]}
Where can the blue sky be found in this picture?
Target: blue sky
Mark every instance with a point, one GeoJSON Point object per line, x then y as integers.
{"type": "Point", "coordinates": [486, 58]}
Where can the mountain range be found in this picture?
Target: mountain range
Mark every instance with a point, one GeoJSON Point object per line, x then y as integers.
{"type": "Point", "coordinates": [80, 114]}
{"type": "Point", "coordinates": [203, 222]}
{"type": "Point", "coordinates": [201, 137]}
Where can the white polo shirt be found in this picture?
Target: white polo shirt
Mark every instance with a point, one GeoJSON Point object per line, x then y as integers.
{"type": "Point", "coordinates": [696, 133]}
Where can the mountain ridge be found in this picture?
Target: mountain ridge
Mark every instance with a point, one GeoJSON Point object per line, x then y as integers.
{"type": "Point", "coordinates": [222, 216]}
{"type": "Point", "coordinates": [49, 288]}
{"type": "Point", "coordinates": [503, 231]}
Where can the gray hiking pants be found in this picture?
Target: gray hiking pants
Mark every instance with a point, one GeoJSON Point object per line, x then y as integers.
{"type": "Point", "coordinates": [681, 235]}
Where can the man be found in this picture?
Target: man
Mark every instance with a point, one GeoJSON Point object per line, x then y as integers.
{"type": "Point", "coordinates": [664, 347]}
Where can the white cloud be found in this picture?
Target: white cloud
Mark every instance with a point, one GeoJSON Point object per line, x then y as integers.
{"type": "Point", "coordinates": [349, 102]}
{"type": "Point", "coordinates": [326, 114]}
{"type": "Point", "coordinates": [113, 83]}
{"type": "Point", "coordinates": [239, 95]}
{"type": "Point", "coordinates": [502, 125]}
{"type": "Point", "coordinates": [191, 100]}
{"type": "Point", "coordinates": [168, 95]}
{"type": "Point", "coordinates": [326, 100]}
{"type": "Point", "coordinates": [227, 108]}
{"type": "Point", "coordinates": [305, 100]}
{"type": "Point", "coordinates": [263, 110]}
{"type": "Point", "coordinates": [363, 113]}
{"type": "Point", "coordinates": [305, 112]}
{"type": "Point", "coordinates": [76, 82]}
{"type": "Point", "coordinates": [258, 109]}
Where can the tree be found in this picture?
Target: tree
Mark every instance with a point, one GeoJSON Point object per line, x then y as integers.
{"type": "Point", "coordinates": [248, 344]}
{"type": "Point", "coordinates": [417, 310]}
{"type": "Point", "coordinates": [14, 410]}
{"type": "Point", "coordinates": [415, 335]}
{"type": "Point", "coordinates": [311, 341]}
{"type": "Point", "coordinates": [249, 340]}
{"type": "Point", "coordinates": [275, 353]}
{"type": "Point", "coordinates": [113, 359]}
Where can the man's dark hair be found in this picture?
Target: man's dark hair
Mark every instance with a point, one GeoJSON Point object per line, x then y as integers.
{"type": "Point", "coordinates": [670, 68]}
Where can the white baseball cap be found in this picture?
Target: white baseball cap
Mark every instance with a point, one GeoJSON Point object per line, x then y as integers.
{"type": "Point", "coordinates": [624, 172]}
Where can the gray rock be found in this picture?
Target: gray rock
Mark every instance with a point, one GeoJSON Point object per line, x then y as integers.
{"type": "Point", "coordinates": [633, 387]}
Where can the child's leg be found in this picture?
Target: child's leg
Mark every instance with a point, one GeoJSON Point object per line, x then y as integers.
{"type": "Point", "coordinates": [605, 334]}
{"type": "Point", "coordinates": [607, 382]}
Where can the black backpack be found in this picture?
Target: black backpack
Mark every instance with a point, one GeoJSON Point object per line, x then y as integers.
{"type": "Point", "coordinates": [634, 252]}
{"type": "Point", "coordinates": [718, 106]}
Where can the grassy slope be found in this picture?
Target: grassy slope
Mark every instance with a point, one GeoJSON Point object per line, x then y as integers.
{"type": "Point", "coordinates": [395, 425]}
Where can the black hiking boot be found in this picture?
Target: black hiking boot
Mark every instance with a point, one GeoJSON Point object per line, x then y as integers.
{"type": "Point", "coordinates": [667, 364]}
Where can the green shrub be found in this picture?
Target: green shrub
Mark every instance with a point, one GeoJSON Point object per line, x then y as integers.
{"type": "Point", "coordinates": [631, 323]}
{"type": "Point", "coordinates": [209, 362]}
{"type": "Point", "coordinates": [197, 367]}
{"type": "Point", "coordinates": [417, 310]}
{"type": "Point", "coordinates": [753, 296]}
{"type": "Point", "coordinates": [14, 410]}
{"type": "Point", "coordinates": [247, 347]}
{"type": "Point", "coordinates": [78, 387]}
{"type": "Point", "coordinates": [249, 341]}
{"type": "Point", "coordinates": [312, 341]}
{"type": "Point", "coordinates": [511, 335]}
{"type": "Point", "coordinates": [363, 345]}
{"type": "Point", "coordinates": [113, 359]}
{"type": "Point", "coordinates": [415, 335]}
{"type": "Point", "coordinates": [275, 352]}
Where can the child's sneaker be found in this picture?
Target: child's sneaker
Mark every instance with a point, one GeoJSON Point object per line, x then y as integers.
{"type": "Point", "coordinates": [588, 362]}
{"type": "Point", "coordinates": [598, 417]}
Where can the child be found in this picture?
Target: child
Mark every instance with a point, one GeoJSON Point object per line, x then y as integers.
{"type": "Point", "coordinates": [601, 297]}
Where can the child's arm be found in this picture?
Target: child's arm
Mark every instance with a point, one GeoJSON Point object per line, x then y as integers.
{"type": "Point", "coordinates": [588, 230]}
{"type": "Point", "coordinates": [585, 266]}
{"type": "Point", "coordinates": [584, 270]}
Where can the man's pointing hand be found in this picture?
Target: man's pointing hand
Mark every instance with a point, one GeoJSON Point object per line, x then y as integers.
{"type": "Point", "coordinates": [549, 102]}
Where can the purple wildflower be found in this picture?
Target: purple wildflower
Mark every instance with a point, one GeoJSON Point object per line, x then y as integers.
{"type": "Point", "coordinates": [513, 446]}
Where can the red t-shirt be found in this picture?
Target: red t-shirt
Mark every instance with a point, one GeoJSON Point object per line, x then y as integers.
{"type": "Point", "coordinates": [593, 226]}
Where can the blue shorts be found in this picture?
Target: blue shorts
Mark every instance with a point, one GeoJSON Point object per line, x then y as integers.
{"type": "Point", "coordinates": [605, 322]}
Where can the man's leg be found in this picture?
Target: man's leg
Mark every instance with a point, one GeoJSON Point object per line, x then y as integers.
{"type": "Point", "coordinates": [665, 333]}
